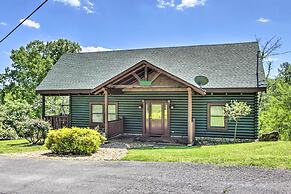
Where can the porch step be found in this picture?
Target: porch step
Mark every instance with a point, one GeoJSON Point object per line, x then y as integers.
{"type": "Point", "coordinates": [158, 140]}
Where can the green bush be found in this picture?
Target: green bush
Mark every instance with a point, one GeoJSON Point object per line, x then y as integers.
{"type": "Point", "coordinates": [13, 113]}
{"type": "Point", "coordinates": [7, 133]}
{"type": "Point", "coordinates": [35, 130]}
{"type": "Point", "coordinates": [80, 141]}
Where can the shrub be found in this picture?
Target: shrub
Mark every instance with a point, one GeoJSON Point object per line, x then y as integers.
{"type": "Point", "coordinates": [35, 130]}
{"type": "Point", "coordinates": [13, 113]}
{"type": "Point", "coordinates": [81, 141]}
{"type": "Point", "coordinates": [7, 133]}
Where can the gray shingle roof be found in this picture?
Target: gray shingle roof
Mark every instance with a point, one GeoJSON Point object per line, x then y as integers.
{"type": "Point", "coordinates": [230, 65]}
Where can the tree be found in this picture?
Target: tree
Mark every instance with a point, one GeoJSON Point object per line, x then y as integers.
{"type": "Point", "coordinates": [30, 65]}
{"type": "Point", "coordinates": [275, 113]}
{"type": "Point", "coordinates": [236, 110]}
{"type": "Point", "coordinates": [285, 72]}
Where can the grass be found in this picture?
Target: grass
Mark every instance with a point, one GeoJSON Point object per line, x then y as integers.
{"type": "Point", "coordinates": [264, 154]}
{"type": "Point", "coordinates": [20, 145]}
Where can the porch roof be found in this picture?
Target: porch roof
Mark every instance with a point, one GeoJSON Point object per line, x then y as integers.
{"type": "Point", "coordinates": [230, 65]}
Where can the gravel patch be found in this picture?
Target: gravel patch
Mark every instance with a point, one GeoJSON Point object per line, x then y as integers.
{"type": "Point", "coordinates": [103, 154]}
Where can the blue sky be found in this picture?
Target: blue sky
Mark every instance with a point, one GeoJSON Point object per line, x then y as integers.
{"type": "Point", "coordinates": [122, 24]}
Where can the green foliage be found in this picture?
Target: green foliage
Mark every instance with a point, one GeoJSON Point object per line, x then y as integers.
{"type": "Point", "coordinates": [13, 114]}
{"type": "Point", "coordinates": [275, 111]}
{"type": "Point", "coordinates": [236, 110]}
{"type": "Point", "coordinates": [35, 130]}
{"type": "Point", "coordinates": [30, 65]}
{"type": "Point", "coordinates": [7, 133]}
{"type": "Point", "coordinates": [285, 72]}
{"type": "Point", "coordinates": [57, 105]}
{"type": "Point", "coordinates": [74, 140]}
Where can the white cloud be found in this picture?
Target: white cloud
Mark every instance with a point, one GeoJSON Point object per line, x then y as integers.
{"type": "Point", "coordinates": [87, 9]}
{"type": "Point", "coordinates": [88, 2]}
{"type": "Point", "coordinates": [73, 3]}
{"type": "Point", "coordinates": [165, 3]}
{"type": "Point", "coordinates": [190, 3]}
{"type": "Point", "coordinates": [3, 24]}
{"type": "Point", "coordinates": [31, 24]}
{"type": "Point", "coordinates": [273, 59]}
{"type": "Point", "coordinates": [263, 20]}
{"type": "Point", "coordinates": [88, 6]}
{"type": "Point", "coordinates": [94, 49]}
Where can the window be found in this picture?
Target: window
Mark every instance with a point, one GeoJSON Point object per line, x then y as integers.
{"type": "Point", "coordinates": [97, 112]}
{"type": "Point", "coordinates": [216, 119]}
{"type": "Point", "coordinates": [112, 112]}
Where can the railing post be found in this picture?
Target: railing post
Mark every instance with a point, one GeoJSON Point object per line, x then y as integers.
{"type": "Point", "coordinates": [106, 112]}
{"type": "Point", "coordinates": [190, 130]}
{"type": "Point", "coordinates": [43, 107]}
{"type": "Point", "coordinates": [193, 130]}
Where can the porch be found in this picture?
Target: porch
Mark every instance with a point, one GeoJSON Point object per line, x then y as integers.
{"type": "Point", "coordinates": [115, 127]}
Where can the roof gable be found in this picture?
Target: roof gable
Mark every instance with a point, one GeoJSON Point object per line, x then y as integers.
{"type": "Point", "coordinates": [144, 65]}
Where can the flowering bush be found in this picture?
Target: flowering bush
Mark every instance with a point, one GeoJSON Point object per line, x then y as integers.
{"type": "Point", "coordinates": [81, 141]}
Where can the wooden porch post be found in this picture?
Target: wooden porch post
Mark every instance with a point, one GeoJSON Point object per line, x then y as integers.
{"type": "Point", "coordinates": [190, 131]}
{"type": "Point", "coordinates": [106, 112]}
{"type": "Point", "coordinates": [43, 107]}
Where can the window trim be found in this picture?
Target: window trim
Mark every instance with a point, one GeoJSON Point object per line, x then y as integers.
{"type": "Point", "coordinates": [209, 127]}
{"type": "Point", "coordinates": [100, 103]}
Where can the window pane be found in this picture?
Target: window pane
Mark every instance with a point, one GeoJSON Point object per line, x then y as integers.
{"type": "Point", "coordinates": [111, 108]}
{"type": "Point", "coordinates": [217, 121]}
{"type": "Point", "coordinates": [112, 117]}
{"type": "Point", "coordinates": [97, 108]}
{"type": "Point", "coordinates": [156, 111]}
{"type": "Point", "coordinates": [216, 110]}
{"type": "Point", "coordinates": [97, 118]}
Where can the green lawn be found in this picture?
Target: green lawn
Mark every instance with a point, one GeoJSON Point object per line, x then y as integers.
{"type": "Point", "coordinates": [265, 154]}
{"type": "Point", "coordinates": [20, 145]}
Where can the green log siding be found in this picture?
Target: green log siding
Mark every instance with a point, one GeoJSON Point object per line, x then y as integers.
{"type": "Point", "coordinates": [247, 126]}
{"type": "Point", "coordinates": [128, 108]}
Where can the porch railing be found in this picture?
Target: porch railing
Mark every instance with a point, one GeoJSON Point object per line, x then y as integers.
{"type": "Point", "coordinates": [193, 129]}
{"type": "Point", "coordinates": [58, 121]}
{"type": "Point", "coordinates": [115, 127]}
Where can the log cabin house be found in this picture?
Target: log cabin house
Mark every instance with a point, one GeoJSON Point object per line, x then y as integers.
{"type": "Point", "coordinates": [153, 92]}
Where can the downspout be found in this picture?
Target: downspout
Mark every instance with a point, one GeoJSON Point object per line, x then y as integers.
{"type": "Point", "coordinates": [257, 70]}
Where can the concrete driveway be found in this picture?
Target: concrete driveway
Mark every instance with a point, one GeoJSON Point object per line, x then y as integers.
{"type": "Point", "coordinates": [47, 176]}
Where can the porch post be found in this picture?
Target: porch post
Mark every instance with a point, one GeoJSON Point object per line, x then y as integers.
{"type": "Point", "coordinates": [106, 112]}
{"type": "Point", "coordinates": [43, 107]}
{"type": "Point", "coordinates": [190, 131]}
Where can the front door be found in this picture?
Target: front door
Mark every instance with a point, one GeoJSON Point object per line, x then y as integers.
{"type": "Point", "coordinates": [156, 118]}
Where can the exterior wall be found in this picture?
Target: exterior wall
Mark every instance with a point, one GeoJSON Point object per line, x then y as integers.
{"type": "Point", "coordinates": [128, 108]}
{"type": "Point", "coordinates": [247, 126]}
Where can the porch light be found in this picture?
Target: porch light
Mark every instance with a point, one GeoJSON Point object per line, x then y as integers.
{"type": "Point", "coordinates": [140, 106]}
{"type": "Point", "coordinates": [172, 107]}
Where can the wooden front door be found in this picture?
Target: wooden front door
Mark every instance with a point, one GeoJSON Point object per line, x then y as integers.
{"type": "Point", "coordinates": [157, 118]}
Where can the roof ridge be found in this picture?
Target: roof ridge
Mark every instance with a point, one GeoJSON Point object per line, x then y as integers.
{"type": "Point", "coordinates": [171, 47]}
